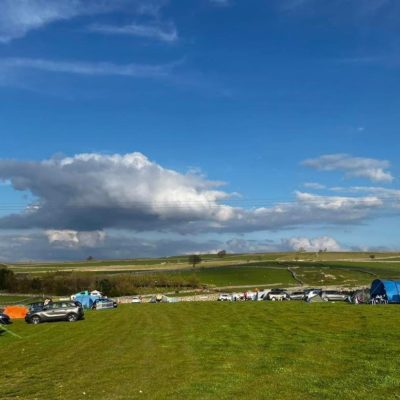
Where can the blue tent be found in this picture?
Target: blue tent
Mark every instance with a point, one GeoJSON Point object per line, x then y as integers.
{"type": "Point", "coordinates": [86, 299]}
{"type": "Point", "coordinates": [389, 288]}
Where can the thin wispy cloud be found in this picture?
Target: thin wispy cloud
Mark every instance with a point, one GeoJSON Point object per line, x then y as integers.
{"type": "Point", "coordinates": [353, 167]}
{"type": "Point", "coordinates": [364, 7]}
{"type": "Point", "coordinates": [359, 13]}
{"type": "Point", "coordinates": [314, 185]}
{"type": "Point", "coordinates": [18, 17]}
{"type": "Point", "coordinates": [163, 32]}
{"type": "Point", "coordinates": [90, 68]}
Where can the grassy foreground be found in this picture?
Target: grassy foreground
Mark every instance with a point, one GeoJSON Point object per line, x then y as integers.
{"type": "Point", "coordinates": [208, 351]}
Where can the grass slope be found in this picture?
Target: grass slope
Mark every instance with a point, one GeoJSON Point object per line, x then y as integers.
{"type": "Point", "coordinates": [181, 262]}
{"type": "Point", "coordinates": [15, 299]}
{"type": "Point", "coordinates": [248, 275]}
{"type": "Point", "coordinates": [208, 351]}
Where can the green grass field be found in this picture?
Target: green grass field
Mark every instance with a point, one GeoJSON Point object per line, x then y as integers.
{"type": "Point", "coordinates": [209, 260]}
{"type": "Point", "coordinates": [238, 276]}
{"type": "Point", "coordinates": [15, 299]}
{"type": "Point", "coordinates": [208, 351]}
{"type": "Point", "coordinates": [234, 271]}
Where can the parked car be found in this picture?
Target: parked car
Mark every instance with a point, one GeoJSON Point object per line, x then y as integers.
{"type": "Point", "coordinates": [225, 297]}
{"type": "Point", "coordinates": [5, 319]}
{"type": "Point", "coordinates": [136, 299]}
{"type": "Point", "coordinates": [104, 301]}
{"type": "Point", "coordinates": [312, 292]}
{"type": "Point", "coordinates": [58, 311]}
{"type": "Point", "coordinates": [36, 306]}
{"type": "Point", "coordinates": [277, 295]}
{"type": "Point", "coordinates": [297, 296]}
{"type": "Point", "coordinates": [334, 295]}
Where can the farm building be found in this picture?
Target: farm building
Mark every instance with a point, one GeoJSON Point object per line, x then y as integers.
{"type": "Point", "coordinates": [388, 289]}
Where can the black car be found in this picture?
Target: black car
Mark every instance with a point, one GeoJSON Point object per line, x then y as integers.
{"type": "Point", "coordinates": [5, 319]}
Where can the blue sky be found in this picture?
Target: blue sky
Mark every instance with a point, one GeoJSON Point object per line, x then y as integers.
{"type": "Point", "coordinates": [120, 120]}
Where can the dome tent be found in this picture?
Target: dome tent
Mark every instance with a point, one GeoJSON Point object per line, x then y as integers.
{"type": "Point", "coordinates": [85, 298]}
{"type": "Point", "coordinates": [390, 289]}
{"type": "Point", "coordinates": [16, 312]}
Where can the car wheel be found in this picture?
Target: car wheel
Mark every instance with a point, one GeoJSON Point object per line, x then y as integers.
{"type": "Point", "coordinates": [72, 317]}
{"type": "Point", "coordinates": [273, 299]}
{"type": "Point", "coordinates": [35, 320]}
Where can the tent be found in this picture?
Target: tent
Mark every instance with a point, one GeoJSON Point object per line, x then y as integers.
{"type": "Point", "coordinates": [85, 298]}
{"type": "Point", "coordinates": [362, 296]}
{"type": "Point", "coordinates": [315, 299]}
{"type": "Point", "coordinates": [16, 312]}
{"type": "Point", "coordinates": [388, 289]}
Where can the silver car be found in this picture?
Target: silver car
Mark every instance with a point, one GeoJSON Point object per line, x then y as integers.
{"type": "Point", "coordinates": [297, 296]}
{"type": "Point", "coordinates": [334, 295]}
{"type": "Point", "coordinates": [58, 311]}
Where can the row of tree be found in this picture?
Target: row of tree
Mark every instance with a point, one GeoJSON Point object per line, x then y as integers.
{"type": "Point", "coordinates": [67, 283]}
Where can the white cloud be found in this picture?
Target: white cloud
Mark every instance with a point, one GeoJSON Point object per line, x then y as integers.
{"type": "Point", "coordinates": [90, 192]}
{"type": "Point", "coordinates": [315, 244]}
{"type": "Point", "coordinates": [163, 32]}
{"type": "Point", "coordinates": [391, 197]}
{"type": "Point", "coordinates": [73, 245]}
{"type": "Point", "coordinates": [354, 167]}
{"type": "Point", "coordinates": [338, 202]}
{"type": "Point", "coordinates": [72, 238]}
{"type": "Point", "coordinates": [18, 17]}
{"type": "Point", "coordinates": [314, 185]}
{"type": "Point", "coordinates": [89, 68]}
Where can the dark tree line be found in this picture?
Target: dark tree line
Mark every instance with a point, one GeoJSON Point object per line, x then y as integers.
{"type": "Point", "coordinates": [67, 283]}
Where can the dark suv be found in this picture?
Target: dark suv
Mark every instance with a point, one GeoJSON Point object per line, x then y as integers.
{"type": "Point", "coordinates": [58, 311]}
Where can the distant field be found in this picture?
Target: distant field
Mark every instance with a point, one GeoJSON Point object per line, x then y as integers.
{"type": "Point", "coordinates": [386, 269]}
{"type": "Point", "coordinates": [207, 351]}
{"type": "Point", "coordinates": [311, 274]}
{"type": "Point", "coordinates": [141, 264]}
{"type": "Point", "coordinates": [247, 275]}
{"type": "Point", "coordinates": [358, 269]}
{"type": "Point", "coordinates": [7, 300]}
{"type": "Point", "coordinates": [209, 260]}
{"type": "Point", "coordinates": [332, 256]}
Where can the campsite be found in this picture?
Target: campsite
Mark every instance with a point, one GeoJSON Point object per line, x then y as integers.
{"type": "Point", "coordinates": [199, 200]}
{"type": "Point", "coordinates": [303, 348]}
{"type": "Point", "coordinates": [208, 350]}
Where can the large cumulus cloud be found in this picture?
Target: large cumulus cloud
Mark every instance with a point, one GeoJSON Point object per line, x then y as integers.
{"type": "Point", "coordinates": [92, 192]}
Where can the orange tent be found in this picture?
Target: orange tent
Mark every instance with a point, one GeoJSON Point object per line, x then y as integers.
{"type": "Point", "coordinates": [15, 312]}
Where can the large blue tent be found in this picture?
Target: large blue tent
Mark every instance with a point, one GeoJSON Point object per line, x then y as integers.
{"type": "Point", "coordinates": [390, 289]}
{"type": "Point", "coordinates": [86, 299]}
